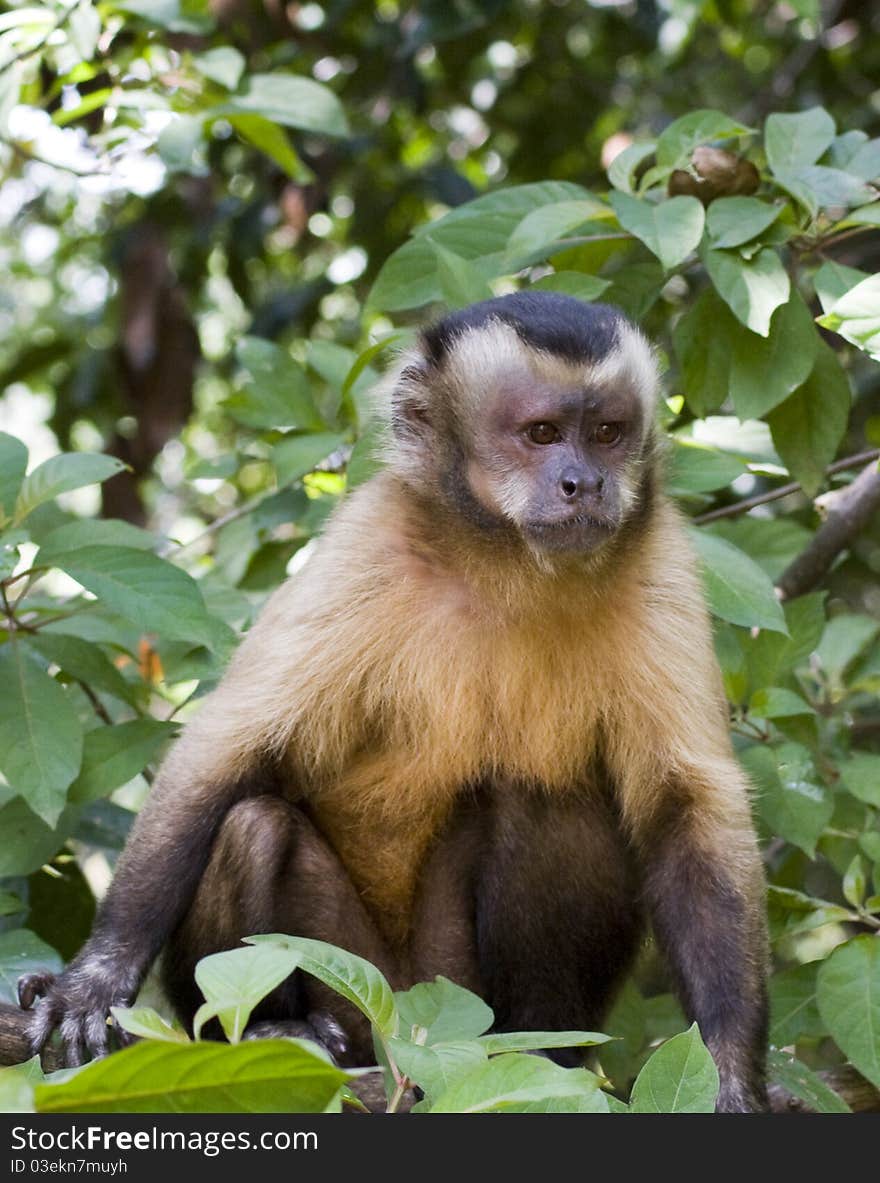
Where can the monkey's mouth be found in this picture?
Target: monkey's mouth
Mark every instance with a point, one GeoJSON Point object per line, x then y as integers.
{"type": "Point", "coordinates": [572, 532]}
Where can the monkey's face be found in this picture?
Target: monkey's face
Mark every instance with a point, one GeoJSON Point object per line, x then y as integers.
{"type": "Point", "coordinates": [542, 423]}
{"type": "Point", "coordinates": [556, 461]}
{"type": "Point", "coordinates": [556, 448]}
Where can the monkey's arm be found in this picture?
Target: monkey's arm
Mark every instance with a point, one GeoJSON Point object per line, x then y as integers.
{"type": "Point", "coordinates": [704, 892]}
{"type": "Point", "coordinates": [230, 750]}
{"type": "Point", "coordinates": [153, 884]}
{"type": "Point", "coordinates": [686, 804]}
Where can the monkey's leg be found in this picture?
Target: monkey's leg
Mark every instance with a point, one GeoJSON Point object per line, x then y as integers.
{"type": "Point", "coordinates": [444, 938]}
{"type": "Point", "coordinates": [704, 889]}
{"type": "Point", "coordinates": [271, 871]}
{"type": "Point", "coordinates": [558, 919]}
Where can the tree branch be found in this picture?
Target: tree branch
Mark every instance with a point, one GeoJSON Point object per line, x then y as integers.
{"type": "Point", "coordinates": [738, 507]}
{"type": "Point", "coordinates": [849, 511]}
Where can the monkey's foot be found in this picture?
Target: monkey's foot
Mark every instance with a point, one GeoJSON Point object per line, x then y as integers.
{"type": "Point", "coordinates": [319, 1028]}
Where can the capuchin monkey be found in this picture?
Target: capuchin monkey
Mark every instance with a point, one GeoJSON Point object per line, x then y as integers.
{"type": "Point", "coordinates": [481, 733]}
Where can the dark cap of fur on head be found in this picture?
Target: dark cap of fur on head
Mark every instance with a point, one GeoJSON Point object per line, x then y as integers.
{"type": "Point", "coordinates": [550, 321]}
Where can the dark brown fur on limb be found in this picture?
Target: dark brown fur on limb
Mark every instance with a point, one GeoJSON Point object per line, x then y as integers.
{"type": "Point", "coordinates": [848, 512]}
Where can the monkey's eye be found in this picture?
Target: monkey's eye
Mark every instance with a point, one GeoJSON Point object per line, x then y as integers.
{"type": "Point", "coordinates": [543, 433]}
{"type": "Point", "coordinates": [608, 434]}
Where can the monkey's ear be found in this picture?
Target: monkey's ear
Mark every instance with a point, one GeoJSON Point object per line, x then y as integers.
{"type": "Point", "coordinates": [411, 401]}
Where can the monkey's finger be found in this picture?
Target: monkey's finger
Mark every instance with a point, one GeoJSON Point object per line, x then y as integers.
{"type": "Point", "coordinates": [123, 1038]}
{"type": "Point", "coordinates": [73, 1036]}
{"type": "Point", "coordinates": [96, 1034]}
{"type": "Point", "coordinates": [43, 1022]}
{"type": "Point", "coordinates": [330, 1033]}
{"type": "Point", "coordinates": [33, 986]}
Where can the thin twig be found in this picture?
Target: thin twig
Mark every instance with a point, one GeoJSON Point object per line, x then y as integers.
{"type": "Point", "coordinates": [99, 708]}
{"type": "Point", "coordinates": [738, 507]}
{"type": "Point", "coordinates": [234, 514]}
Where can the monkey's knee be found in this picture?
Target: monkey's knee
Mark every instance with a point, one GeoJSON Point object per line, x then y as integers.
{"type": "Point", "coordinates": [236, 896]}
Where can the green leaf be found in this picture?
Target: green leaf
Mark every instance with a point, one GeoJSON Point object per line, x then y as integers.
{"type": "Point", "coordinates": [530, 1041]}
{"type": "Point", "coordinates": [868, 215]}
{"type": "Point", "coordinates": [435, 1068]}
{"type": "Point", "coordinates": [771, 655]}
{"type": "Point", "coordinates": [84, 29]}
{"type": "Point", "coordinates": [670, 230]}
{"type": "Point", "coordinates": [146, 1023]}
{"type": "Point", "coordinates": [775, 702]}
{"type": "Point", "coordinates": [290, 100]}
{"type": "Point", "coordinates": [460, 282]}
{"type": "Point", "coordinates": [354, 978]}
{"type": "Point", "coordinates": [13, 464]}
{"type": "Point", "coordinates": [172, 15]}
{"type": "Point", "coordinates": [764, 371]}
{"type": "Point", "coordinates": [844, 638]}
{"type": "Point", "coordinates": [22, 952]}
{"type": "Point", "coordinates": [856, 316]}
{"type": "Point", "coordinates": [794, 1012]}
{"type": "Point", "coordinates": [17, 1086]}
{"type": "Point", "coordinates": [223, 65]}
{"type": "Point", "coordinates": [849, 1002]}
{"type": "Point", "coordinates": [752, 288]}
{"type": "Point", "coordinates": [798, 139]}
{"type": "Point", "coordinates": [41, 739]}
{"type": "Point", "coordinates": [791, 799]}
{"type": "Point", "coordinates": [809, 426]}
{"type": "Point", "coordinates": [539, 232]}
{"type": "Point", "coordinates": [114, 755]}
{"type": "Point", "coordinates": [234, 982]}
{"type": "Point", "coordinates": [445, 1010]}
{"type": "Point", "coordinates": [771, 542]}
{"type": "Point", "coordinates": [295, 455]}
{"type": "Point", "coordinates": [276, 393]}
{"type": "Point", "coordinates": [272, 141]}
{"type": "Point", "coordinates": [803, 1083]}
{"type": "Point", "coordinates": [257, 1076]}
{"type": "Point", "coordinates": [731, 221]}
{"type": "Point", "coordinates": [506, 1083]}
{"type": "Point", "coordinates": [815, 187]}
{"type": "Point", "coordinates": [855, 886]}
{"type": "Point", "coordinates": [696, 469]}
{"type": "Point", "coordinates": [736, 588]}
{"type": "Point", "coordinates": [705, 339]}
{"type": "Point", "coordinates": [83, 661]}
{"type": "Point", "coordinates": [60, 474]}
{"type": "Point", "coordinates": [833, 280]}
{"type": "Point", "coordinates": [865, 163]}
{"type": "Point", "coordinates": [676, 144]}
{"type": "Point", "coordinates": [680, 1077]}
{"type": "Point", "coordinates": [860, 773]}
{"type": "Point", "coordinates": [27, 841]}
{"type": "Point", "coordinates": [179, 143]}
{"type": "Point", "coordinates": [572, 283]}
{"type": "Point", "coordinates": [478, 230]}
{"type": "Point", "coordinates": [91, 532]}
{"type": "Point", "coordinates": [151, 593]}
{"type": "Point", "coordinates": [622, 170]}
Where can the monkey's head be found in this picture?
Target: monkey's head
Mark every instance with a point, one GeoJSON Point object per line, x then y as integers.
{"type": "Point", "coordinates": [531, 413]}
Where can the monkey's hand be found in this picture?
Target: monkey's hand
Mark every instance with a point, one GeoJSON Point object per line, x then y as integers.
{"type": "Point", "coordinates": [78, 1003]}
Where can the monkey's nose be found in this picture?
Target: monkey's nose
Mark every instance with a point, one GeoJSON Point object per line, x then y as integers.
{"type": "Point", "coordinates": [574, 485]}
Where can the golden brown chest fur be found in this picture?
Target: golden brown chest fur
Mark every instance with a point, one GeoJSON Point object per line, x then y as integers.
{"type": "Point", "coordinates": [397, 674]}
{"type": "Point", "coordinates": [466, 689]}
